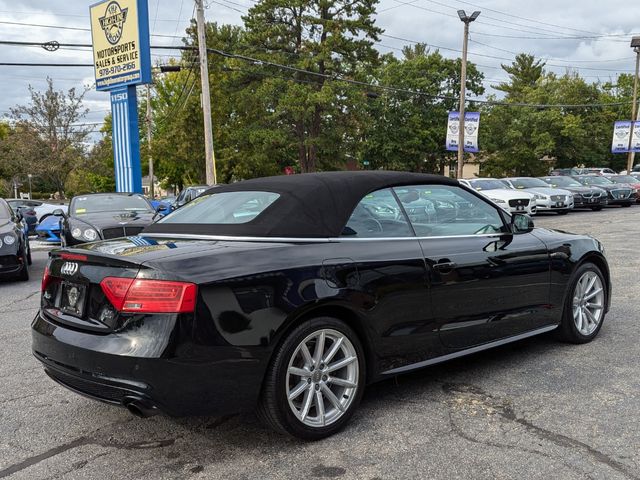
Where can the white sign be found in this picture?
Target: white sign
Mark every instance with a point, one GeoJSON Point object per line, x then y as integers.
{"type": "Point", "coordinates": [635, 138]}
{"type": "Point", "coordinates": [471, 127]}
{"type": "Point", "coordinates": [621, 137]}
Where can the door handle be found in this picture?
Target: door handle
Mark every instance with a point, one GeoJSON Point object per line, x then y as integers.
{"type": "Point", "coordinates": [444, 266]}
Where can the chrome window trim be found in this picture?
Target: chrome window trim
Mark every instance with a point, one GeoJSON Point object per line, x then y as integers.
{"type": "Point", "coordinates": [188, 236]}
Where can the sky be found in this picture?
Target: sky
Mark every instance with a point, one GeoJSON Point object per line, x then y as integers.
{"type": "Point", "coordinates": [591, 37]}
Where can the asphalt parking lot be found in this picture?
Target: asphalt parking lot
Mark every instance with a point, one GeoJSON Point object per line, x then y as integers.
{"type": "Point", "coordinates": [534, 409]}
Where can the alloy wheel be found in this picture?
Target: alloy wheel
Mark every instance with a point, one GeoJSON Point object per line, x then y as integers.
{"type": "Point", "coordinates": [588, 303]}
{"type": "Point", "coordinates": [322, 378]}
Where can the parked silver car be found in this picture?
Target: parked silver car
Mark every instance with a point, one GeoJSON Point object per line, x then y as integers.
{"type": "Point", "coordinates": [548, 199]}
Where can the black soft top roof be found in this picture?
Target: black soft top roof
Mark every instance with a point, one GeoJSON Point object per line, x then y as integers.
{"type": "Point", "coordinates": [312, 205]}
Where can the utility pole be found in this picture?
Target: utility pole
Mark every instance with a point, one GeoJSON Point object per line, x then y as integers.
{"type": "Point", "coordinates": [30, 176]}
{"type": "Point", "coordinates": [635, 44]}
{"type": "Point", "coordinates": [206, 97]}
{"type": "Point", "coordinates": [463, 87]}
{"type": "Point", "coordinates": [152, 187]}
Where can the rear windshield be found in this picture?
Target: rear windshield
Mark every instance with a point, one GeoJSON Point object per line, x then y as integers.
{"type": "Point", "coordinates": [623, 179]}
{"type": "Point", "coordinates": [109, 203]}
{"type": "Point", "coordinates": [223, 208]}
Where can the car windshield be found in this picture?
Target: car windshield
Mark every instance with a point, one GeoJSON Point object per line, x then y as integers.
{"type": "Point", "coordinates": [487, 184]}
{"type": "Point", "coordinates": [623, 179]}
{"type": "Point", "coordinates": [109, 203]}
{"type": "Point", "coordinates": [520, 183]}
{"type": "Point", "coordinates": [5, 212]}
{"type": "Point", "coordinates": [561, 182]}
{"type": "Point", "coordinates": [223, 208]}
{"type": "Point", "coordinates": [594, 180]}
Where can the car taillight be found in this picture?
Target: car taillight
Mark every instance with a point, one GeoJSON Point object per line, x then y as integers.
{"type": "Point", "coordinates": [46, 279]}
{"type": "Point", "coordinates": [138, 295]}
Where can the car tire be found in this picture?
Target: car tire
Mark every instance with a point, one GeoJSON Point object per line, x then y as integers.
{"type": "Point", "coordinates": [562, 212]}
{"type": "Point", "coordinates": [596, 209]}
{"type": "Point", "coordinates": [577, 326]}
{"type": "Point", "coordinates": [626, 205]}
{"type": "Point", "coordinates": [288, 405]}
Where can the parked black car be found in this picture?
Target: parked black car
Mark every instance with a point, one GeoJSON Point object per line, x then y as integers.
{"type": "Point", "coordinates": [583, 196]}
{"type": "Point", "coordinates": [29, 215]}
{"type": "Point", "coordinates": [15, 253]}
{"type": "Point", "coordinates": [101, 216]}
{"type": "Point", "coordinates": [289, 294]}
{"type": "Point", "coordinates": [622, 195]}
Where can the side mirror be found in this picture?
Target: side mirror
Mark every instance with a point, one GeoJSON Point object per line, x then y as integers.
{"type": "Point", "coordinates": [521, 223]}
{"type": "Point", "coordinates": [162, 207]}
{"type": "Point", "coordinates": [58, 212]}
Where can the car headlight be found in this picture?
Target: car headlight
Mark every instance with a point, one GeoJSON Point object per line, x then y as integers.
{"type": "Point", "coordinates": [540, 197]}
{"type": "Point", "coordinates": [88, 234]}
{"type": "Point", "coordinates": [497, 200]}
{"type": "Point", "coordinates": [9, 239]}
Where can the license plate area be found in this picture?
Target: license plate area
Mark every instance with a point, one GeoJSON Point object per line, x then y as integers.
{"type": "Point", "coordinates": [559, 204]}
{"type": "Point", "coordinates": [72, 299]}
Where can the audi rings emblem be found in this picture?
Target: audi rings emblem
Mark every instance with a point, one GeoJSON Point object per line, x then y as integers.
{"type": "Point", "coordinates": [69, 269]}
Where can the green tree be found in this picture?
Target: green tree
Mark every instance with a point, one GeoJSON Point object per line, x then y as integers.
{"type": "Point", "coordinates": [406, 131]}
{"type": "Point", "coordinates": [50, 139]}
{"type": "Point", "coordinates": [333, 38]}
{"type": "Point", "coordinates": [524, 73]}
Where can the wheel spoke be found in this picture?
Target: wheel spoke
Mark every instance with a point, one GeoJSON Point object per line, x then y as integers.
{"type": "Point", "coordinates": [579, 320]}
{"type": "Point", "coordinates": [300, 372]}
{"type": "Point", "coordinates": [590, 285]}
{"type": "Point", "coordinates": [320, 407]}
{"type": "Point", "coordinates": [334, 349]}
{"type": "Point", "coordinates": [593, 294]}
{"type": "Point", "coordinates": [308, 359]}
{"type": "Point", "coordinates": [317, 354]}
{"type": "Point", "coordinates": [295, 393]}
{"type": "Point", "coordinates": [590, 316]}
{"type": "Point", "coordinates": [332, 398]}
{"type": "Point", "coordinates": [341, 382]}
{"type": "Point", "coordinates": [594, 306]}
{"type": "Point", "coordinates": [308, 400]}
{"type": "Point", "coordinates": [340, 364]}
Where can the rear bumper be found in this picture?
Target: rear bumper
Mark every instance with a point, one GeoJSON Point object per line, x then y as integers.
{"type": "Point", "coordinates": [184, 380]}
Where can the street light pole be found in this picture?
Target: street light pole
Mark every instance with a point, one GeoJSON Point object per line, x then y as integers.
{"type": "Point", "coordinates": [463, 87]}
{"type": "Point", "coordinates": [149, 138]}
{"type": "Point", "coordinates": [635, 44]}
{"type": "Point", "coordinates": [206, 97]}
{"type": "Point", "coordinates": [29, 176]}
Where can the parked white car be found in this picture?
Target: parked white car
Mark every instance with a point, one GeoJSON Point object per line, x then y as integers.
{"type": "Point", "coordinates": [548, 199]}
{"type": "Point", "coordinates": [510, 200]}
{"type": "Point", "coordinates": [44, 209]}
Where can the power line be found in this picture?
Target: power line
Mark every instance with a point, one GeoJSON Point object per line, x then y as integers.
{"type": "Point", "coordinates": [336, 78]}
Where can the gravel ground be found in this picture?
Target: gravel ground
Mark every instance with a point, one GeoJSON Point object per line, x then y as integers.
{"type": "Point", "coordinates": [535, 409]}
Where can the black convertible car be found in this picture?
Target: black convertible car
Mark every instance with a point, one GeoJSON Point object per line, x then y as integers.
{"type": "Point", "coordinates": [290, 294]}
{"type": "Point", "coordinates": [101, 216]}
{"type": "Point", "coordinates": [15, 254]}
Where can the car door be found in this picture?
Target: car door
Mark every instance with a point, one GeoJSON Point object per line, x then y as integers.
{"type": "Point", "coordinates": [393, 291]}
{"type": "Point", "coordinates": [486, 283]}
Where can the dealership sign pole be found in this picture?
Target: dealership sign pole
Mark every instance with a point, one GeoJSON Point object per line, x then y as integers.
{"type": "Point", "coordinates": [122, 60]}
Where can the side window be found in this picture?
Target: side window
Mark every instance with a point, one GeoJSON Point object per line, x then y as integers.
{"type": "Point", "coordinates": [180, 198]}
{"type": "Point", "coordinates": [444, 211]}
{"type": "Point", "coordinates": [378, 215]}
